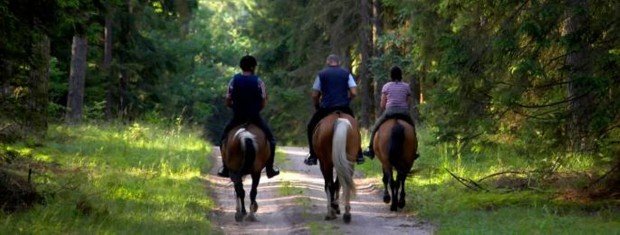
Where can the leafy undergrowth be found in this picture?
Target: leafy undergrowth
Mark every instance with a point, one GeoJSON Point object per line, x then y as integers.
{"type": "Point", "coordinates": [114, 179]}
{"type": "Point", "coordinates": [513, 203]}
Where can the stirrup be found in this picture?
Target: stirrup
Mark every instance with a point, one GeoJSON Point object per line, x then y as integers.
{"type": "Point", "coordinates": [310, 161]}
{"type": "Point", "coordinates": [223, 172]}
{"type": "Point", "coordinates": [272, 171]}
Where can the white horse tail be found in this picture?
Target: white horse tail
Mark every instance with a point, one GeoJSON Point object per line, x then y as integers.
{"type": "Point", "coordinates": [344, 168]}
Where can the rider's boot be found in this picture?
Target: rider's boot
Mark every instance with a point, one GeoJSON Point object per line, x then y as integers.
{"type": "Point", "coordinates": [270, 169]}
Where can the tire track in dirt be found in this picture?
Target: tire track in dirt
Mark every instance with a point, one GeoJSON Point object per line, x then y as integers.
{"type": "Point", "coordinates": [294, 203]}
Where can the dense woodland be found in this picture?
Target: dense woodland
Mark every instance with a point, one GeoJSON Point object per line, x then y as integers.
{"type": "Point", "coordinates": [540, 77]}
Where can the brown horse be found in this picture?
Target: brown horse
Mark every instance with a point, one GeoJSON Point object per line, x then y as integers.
{"type": "Point", "coordinates": [395, 145]}
{"type": "Point", "coordinates": [337, 142]}
{"type": "Point", "coordinates": [245, 152]}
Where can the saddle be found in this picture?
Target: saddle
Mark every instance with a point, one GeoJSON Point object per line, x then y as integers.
{"type": "Point", "coordinates": [319, 123]}
{"type": "Point", "coordinates": [399, 116]}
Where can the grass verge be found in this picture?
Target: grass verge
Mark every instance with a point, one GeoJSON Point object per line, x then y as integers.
{"type": "Point", "coordinates": [116, 179]}
{"type": "Point", "coordinates": [435, 196]}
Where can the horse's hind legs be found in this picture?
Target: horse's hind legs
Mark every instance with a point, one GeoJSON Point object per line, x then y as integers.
{"type": "Point", "coordinates": [387, 176]}
{"type": "Point", "coordinates": [394, 185]}
{"type": "Point", "coordinates": [240, 201]}
{"type": "Point", "coordinates": [253, 204]}
{"type": "Point", "coordinates": [347, 214]}
{"type": "Point", "coordinates": [331, 213]}
{"type": "Point", "coordinates": [401, 200]}
{"type": "Point", "coordinates": [335, 203]}
{"type": "Point", "coordinates": [347, 206]}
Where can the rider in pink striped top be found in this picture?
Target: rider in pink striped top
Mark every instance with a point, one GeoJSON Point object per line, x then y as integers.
{"type": "Point", "coordinates": [395, 97]}
{"type": "Point", "coordinates": [397, 94]}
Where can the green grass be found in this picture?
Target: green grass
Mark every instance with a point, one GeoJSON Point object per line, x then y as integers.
{"type": "Point", "coordinates": [435, 196]}
{"type": "Point", "coordinates": [117, 179]}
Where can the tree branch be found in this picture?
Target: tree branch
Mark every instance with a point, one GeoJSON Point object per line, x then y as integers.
{"type": "Point", "coordinates": [553, 103]}
{"type": "Point", "coordinates": [467, 182]}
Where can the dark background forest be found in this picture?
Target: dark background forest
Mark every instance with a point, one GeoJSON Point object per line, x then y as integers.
{"type": "Point", "coordinates": [537, 77]}
{"type": "Point", "coordinates": [539, 74]}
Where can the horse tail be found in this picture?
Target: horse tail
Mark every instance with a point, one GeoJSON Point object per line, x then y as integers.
{"type": "Point", "coordinates": [344, 168]}
{"type": "Point", "coordinates": [248, 147]}
{"type": "Point", "coordinates": [396, 146]}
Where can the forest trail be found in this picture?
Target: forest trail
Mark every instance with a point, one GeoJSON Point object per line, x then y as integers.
{"type": "Point", "coordinates": [294, 203]}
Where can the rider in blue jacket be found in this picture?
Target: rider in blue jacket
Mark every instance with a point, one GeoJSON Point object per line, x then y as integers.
{"type": "Point", "coordinates": [333, 89]}
{"type": "Point", "coordinates": [247, 96]}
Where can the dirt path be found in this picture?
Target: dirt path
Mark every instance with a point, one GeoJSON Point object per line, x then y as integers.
{"type": "Point", "coordinates": [294, 203]}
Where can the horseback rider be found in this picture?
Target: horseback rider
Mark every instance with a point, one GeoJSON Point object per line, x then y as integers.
{"type": "Point", "coordinates": [333, 89]}
{"type": "Point", "coordinates": [395, 96]}
{"type": "Point", "coordinates": [247, 97]}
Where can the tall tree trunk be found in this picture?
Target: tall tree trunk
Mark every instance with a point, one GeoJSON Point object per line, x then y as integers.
{"type": "Point", "coordinates": [77, 77]}
{"type": "Point", "coordinates": [377, 31]}
{"type": "Point", "coordinates": [6, 71]}
{"type": "Point", "coordinates": [107, 63]}
{"type": "Point", "coordinates": [182, 7]}
{"type": "Point", "coordinates": [126, 30]}
{"type": "Point", "coordinates": [123, 96]}
{"type": "Point", "coordinates": [582, 101]}
{"type": "Point", "coordinates": [364, 74]}
{"type": "Point", "coordinates": [39, 79]}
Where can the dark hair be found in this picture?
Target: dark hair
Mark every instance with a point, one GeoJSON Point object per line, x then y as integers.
{"type": "Point", "coordinates": [248, 63]}
{"type": "Point", "coordinates": [396, 74]}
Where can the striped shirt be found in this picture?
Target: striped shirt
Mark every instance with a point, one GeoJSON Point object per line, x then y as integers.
{"type": "Point", "coordinates": [397, 94]}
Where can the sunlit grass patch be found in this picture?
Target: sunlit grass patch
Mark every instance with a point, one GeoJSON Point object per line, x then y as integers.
{"type": "Point", "coordinates": [531, 206]}
{"type": "Point", "coordinates": [118, 179]}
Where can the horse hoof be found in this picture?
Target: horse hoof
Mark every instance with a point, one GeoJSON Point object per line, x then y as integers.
{"type": "Point", "coordinates": [347, 218]}
{"type": "Point", "coordinates": [387, 198]}
{"type": "Point", "coordinates": [401, 204]}
{"type": "Point", "coordinates": [251, 218]}
{"type": "Point", "coordinates": [330, 217]}
{"type": "Point", "coordinates": [254, 207]}
{"type": "Point", "coordinates": [239, 216]}
{"type": "Point", "coordinates": [336, 208]}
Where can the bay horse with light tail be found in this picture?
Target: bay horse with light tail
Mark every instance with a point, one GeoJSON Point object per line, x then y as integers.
{"type": "Point", "coordinates": [336, 140]}
{"type": "Point", "coordinates": [245, 151]}
{"type": "Point", "coordinates": [395, 145]}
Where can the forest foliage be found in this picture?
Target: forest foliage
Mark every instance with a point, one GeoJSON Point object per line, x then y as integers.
{"type": "Point", "coordinates": [539, 76]}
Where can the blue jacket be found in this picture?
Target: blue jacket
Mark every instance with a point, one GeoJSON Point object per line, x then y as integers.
{"type": "Point", "coordinates": [334, 87]}
{"type": "Point", "coordinates": [247, 94]}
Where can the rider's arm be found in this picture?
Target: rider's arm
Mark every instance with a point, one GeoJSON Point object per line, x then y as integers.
{"type": "Point", "coordinates": [383, 101]}
{"type": "Point", "coordinates": [352, 87]}
{"type": "Point", "coordinates": [409, 96]}
{"type": "Point", "coordinates": [316, 93]}
{"type": "Point", "coordinates": [352, 92]}
{"type": "Point", "coordinates": [264, 95]}
{"type": "Point", "coordinates": [316, 98]}
{"type": "Point", "coordinates": [263, 103]}
{"type": "Point", "coordinates": [229, 101]}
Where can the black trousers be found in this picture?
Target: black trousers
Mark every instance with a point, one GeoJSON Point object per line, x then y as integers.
{"type": "Point", "coordinates": [257, 120]}
{"type": "Point", "coordinates": [316, 118]}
